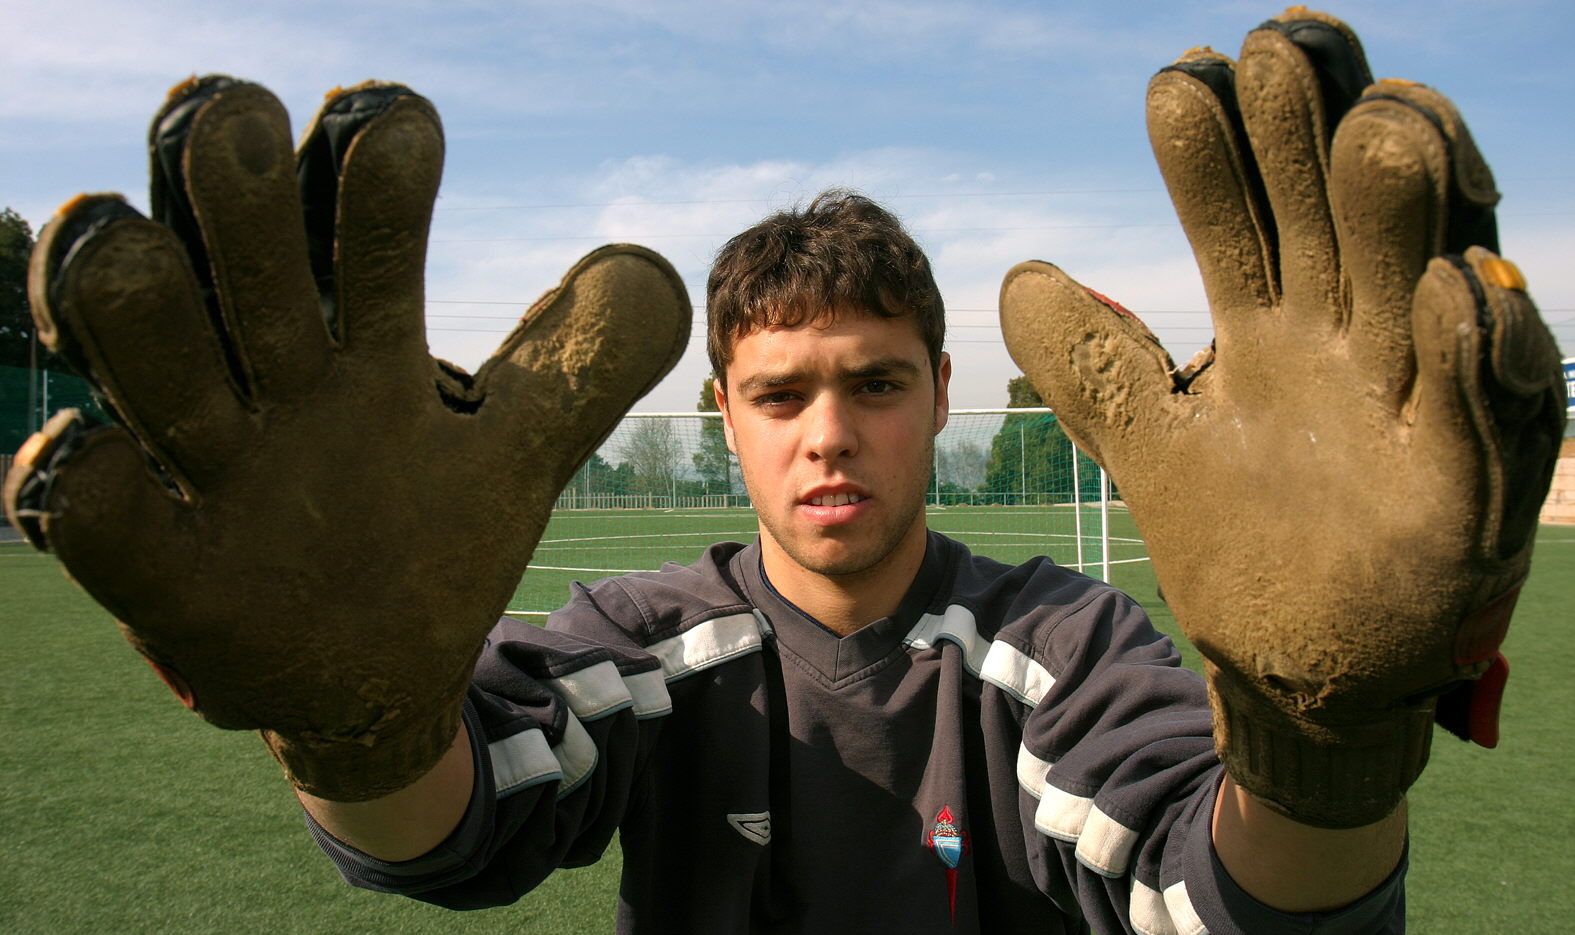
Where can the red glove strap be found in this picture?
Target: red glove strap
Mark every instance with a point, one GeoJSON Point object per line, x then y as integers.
{"type": "Point", "coordinates": [1487, 694]}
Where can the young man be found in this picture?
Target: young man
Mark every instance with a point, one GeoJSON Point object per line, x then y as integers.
{"type": "Point", "coordinates": [852, 724]}
{"type": "Point", "coordinates": [849, 725]}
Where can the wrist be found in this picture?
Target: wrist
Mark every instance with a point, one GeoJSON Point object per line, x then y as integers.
{"type": "Point", "coordinates": [1294, 867]}
{"type": "Point", "coordinates": [410, 822]}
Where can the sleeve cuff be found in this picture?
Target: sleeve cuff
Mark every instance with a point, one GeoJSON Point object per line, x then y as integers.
{"type": "Point", "coordinates": [1225, 908]}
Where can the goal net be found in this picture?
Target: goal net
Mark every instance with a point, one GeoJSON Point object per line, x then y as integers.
{"type": "Point", "coordinates": [984, 457]}
{"type": "Point", "coordinates": [663, 487]}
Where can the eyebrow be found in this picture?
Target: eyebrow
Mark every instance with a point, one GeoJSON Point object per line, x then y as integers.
{"type": "Point", "coordinates": [880, 367]}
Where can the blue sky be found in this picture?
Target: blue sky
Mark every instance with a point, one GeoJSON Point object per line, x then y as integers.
{"type": "Point", "coordinates": [999, 131]}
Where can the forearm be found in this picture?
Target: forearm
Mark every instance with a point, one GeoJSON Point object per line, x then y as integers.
{"type": "Point", "coordinates": [1301, 868]}
{"type": "Point", "coordinates": [409, 822]}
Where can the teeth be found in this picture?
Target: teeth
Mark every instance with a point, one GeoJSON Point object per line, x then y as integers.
{"type": "Point", "coordinates": [837, 499]}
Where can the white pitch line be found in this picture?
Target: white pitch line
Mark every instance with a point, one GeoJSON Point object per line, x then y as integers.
{"type": "Point", "coordinates": [1041, 535]}
{"type": "Point", "coordinates": [627, 571]}
{"type": "Point", "coordinates": [609, 571]}
{"type": "Point", "coordinates": [713, 535]}
{"type": "Point", "coordinates": [654, 535]}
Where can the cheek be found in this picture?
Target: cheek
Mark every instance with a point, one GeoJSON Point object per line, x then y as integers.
{"type": "Point", "coordinates": [763, 444]}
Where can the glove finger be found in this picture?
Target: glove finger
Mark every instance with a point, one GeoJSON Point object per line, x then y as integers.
{"type": "Point", "coordinates": [1195, 129]}
{"type": "Point", "coordinates": [1298, 75]}
{"type": "Point", "coordinates": [113, 293]}
{"type": "Point", "coordinates": [583, 354]}
{"type": "Point", "coordinates": [1407, 184]}
{"type": "Point", "coordinates": [1489, 400]}
{"type": "Point", "coordinates": [224, 180]}
{"type": "Point", "coordinates": [1097, 366]}
{"type": "Point", "coordinates": [90, 494]}
{"type": "Point", "coordinates": [368, 170]}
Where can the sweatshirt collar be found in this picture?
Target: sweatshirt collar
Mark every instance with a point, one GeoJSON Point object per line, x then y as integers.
{"type": "Point", "coordinates": [842, 659]}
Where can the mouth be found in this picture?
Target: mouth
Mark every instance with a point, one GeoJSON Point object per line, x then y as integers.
{"type": "Point", "coordinates": [836, 499]}
{"type": "Point", "coordinates": [834, 506]}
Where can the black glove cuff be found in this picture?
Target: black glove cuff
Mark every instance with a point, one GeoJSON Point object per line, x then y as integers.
{"type": "Point", "coordinates": [1342, 776]}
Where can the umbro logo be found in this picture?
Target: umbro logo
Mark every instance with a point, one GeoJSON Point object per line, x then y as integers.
{"type": "Point", "coordinates": [754, 826]}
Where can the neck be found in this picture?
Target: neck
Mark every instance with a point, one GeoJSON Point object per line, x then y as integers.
{"type": "Point", "coordinates": [850, 602]}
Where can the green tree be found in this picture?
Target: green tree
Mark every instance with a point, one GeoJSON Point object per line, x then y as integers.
{"type": "Point", "coordinates": [596, 477]}
{"type": "Point", "coordinates": [1030, 457]}
{"type": "Point", "coordinates": [33, 382]}
{"type": "Point", "coordinates": [1020, 394]}
{"type": "Point", "coordinates": [713, 462]}
{"type": "Point", "coordinates": [16, 321]}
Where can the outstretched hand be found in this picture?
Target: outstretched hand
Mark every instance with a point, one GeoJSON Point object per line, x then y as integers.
{"type": "Point", "coordinates": [1340, 496]}
{"type": "Point", "coordinates": [302, 520]}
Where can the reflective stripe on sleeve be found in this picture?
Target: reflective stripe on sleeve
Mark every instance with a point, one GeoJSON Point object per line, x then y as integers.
{"type": "Point", "coordinates": [1061, 814]}
{"type": "Point", "coordinates": [577, 755]}
{"type": "Point", "coordinates": [1148, 912]}
{"type": "Point", "coordinates": [1016, 674]}
{"type": "Point", "coordinates": [707, 644]}
{"type": "Point", "coordinates": [523, 760]}
{"type": "Point", "coordinates": [1182, 913]}
{"type": "Point", "coordinates": [1105, 845]}
{"type": "Point", "coordinates": [1031, 771]}
{"type": "Point", "coordinates": [597, 691]}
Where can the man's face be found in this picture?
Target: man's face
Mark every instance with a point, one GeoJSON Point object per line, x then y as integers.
{"type": "Point", "coordinates": [834, 427]}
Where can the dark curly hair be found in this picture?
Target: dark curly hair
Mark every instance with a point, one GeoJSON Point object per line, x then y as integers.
{"type": "Point", "coordinates": [842, 253]}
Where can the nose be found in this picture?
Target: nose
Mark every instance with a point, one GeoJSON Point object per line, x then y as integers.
{"type": "Point", "coordinates": [832, 433]}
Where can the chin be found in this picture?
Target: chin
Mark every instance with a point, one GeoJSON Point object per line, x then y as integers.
{"type": "Point", "coordinates": [842, 561]}
{"type": "Point", "coordinates": [842, 565]}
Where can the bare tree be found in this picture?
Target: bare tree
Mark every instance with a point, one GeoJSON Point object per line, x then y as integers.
{"type": "Point", "coordinates": [653, 451]}
{"type": "Point", "coordinates": [962, 464]}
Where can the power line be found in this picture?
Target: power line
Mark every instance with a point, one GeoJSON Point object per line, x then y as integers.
{"type": "Point", "coordinates": [605, 238]}
{"type": "Point", "coordinates": [768, 199]}
{"type": "Point", "coordinates": [930, 230]}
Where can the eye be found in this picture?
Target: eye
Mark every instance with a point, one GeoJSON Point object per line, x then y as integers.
{"type": "Point", "coordinates": [879, 387]}
{"type": "Point", "coordinates": [780, 398]}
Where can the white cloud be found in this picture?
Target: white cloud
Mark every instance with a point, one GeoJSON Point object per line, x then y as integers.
{"type": "Point", "coordinates": [685, 210]}
{"type": "Point", "coordinates": [1122, 243]}
{"type": "Point", "coordinates": [101, 60]}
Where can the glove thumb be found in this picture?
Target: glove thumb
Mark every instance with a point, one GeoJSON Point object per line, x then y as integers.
{"type": "Point", "coordinates": [1099, 368]}
{"type": "Point", "coordinates": [585, 353]}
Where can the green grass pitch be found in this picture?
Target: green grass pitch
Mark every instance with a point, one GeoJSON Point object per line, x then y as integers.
{"type": "Point", "coordinates": [119, 812]}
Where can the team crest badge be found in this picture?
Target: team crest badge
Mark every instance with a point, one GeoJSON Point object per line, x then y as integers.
{"type": "Point", "coordinates": [950, 844]}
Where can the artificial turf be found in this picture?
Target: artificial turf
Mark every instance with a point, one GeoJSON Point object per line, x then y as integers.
{"type": "Point", "coordinates": [120, 812]}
